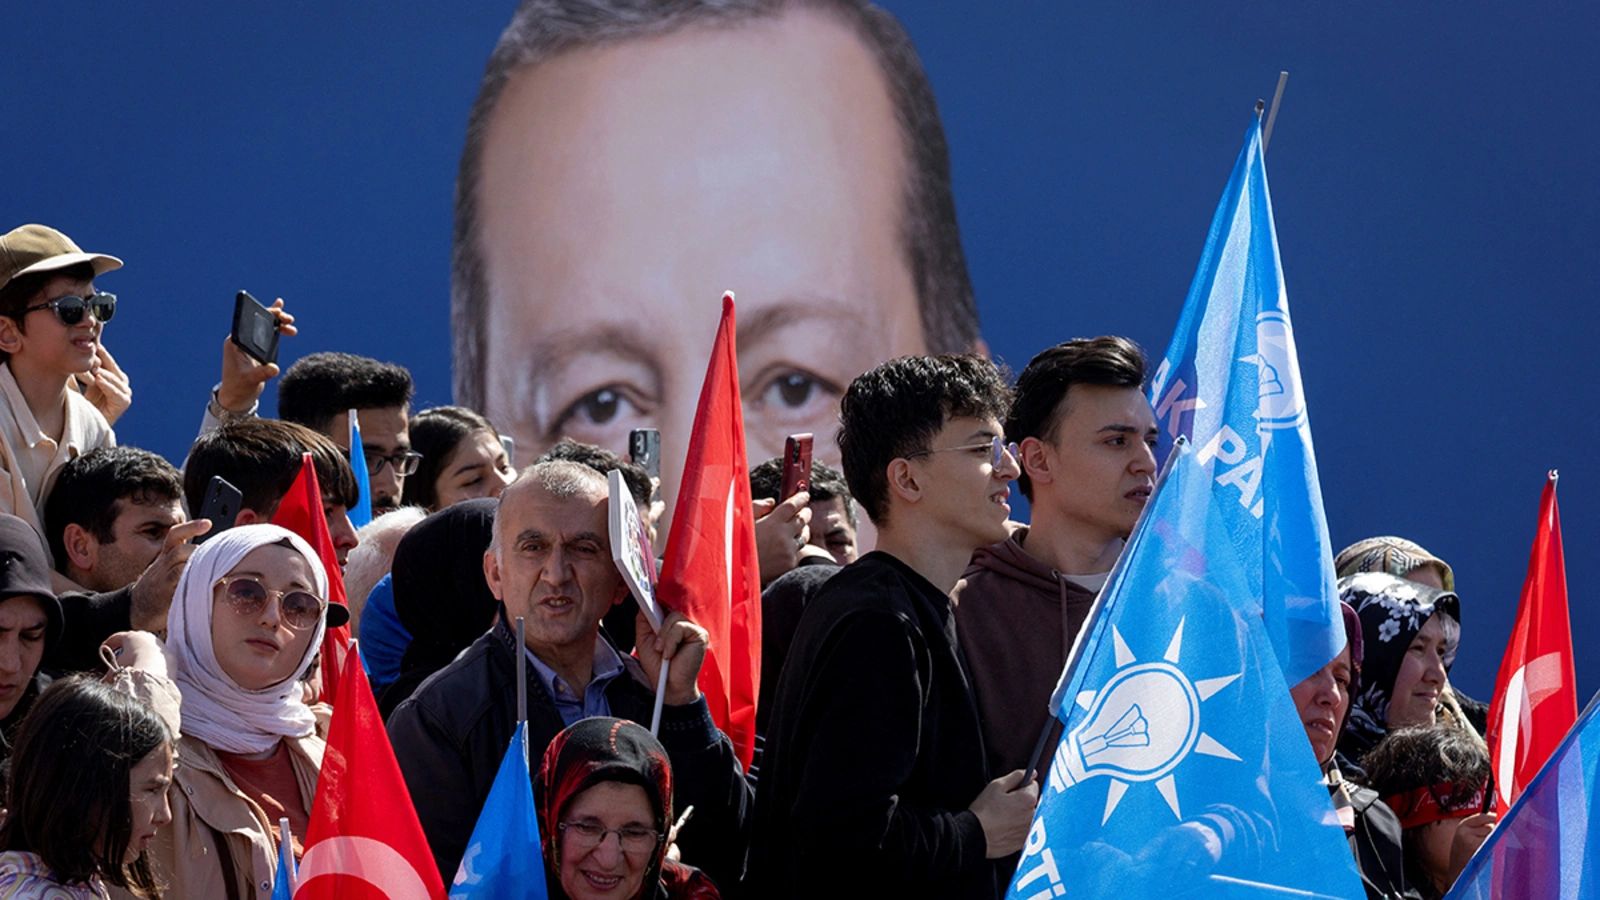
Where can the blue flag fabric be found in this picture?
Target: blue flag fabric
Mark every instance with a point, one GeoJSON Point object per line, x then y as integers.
{"type": "Point", "coordinates": [362, 513]}
{"type": "Point", "coordinates": [1547, 845]}
{"type": "Point", "coordinates": [1230, 383]}
{"type": "Point", "coordinates": [504, 859]}
{"type": "Point", "coordinates": [282, 881]}
{"type": "Point", "coordinates": [1183, 766]}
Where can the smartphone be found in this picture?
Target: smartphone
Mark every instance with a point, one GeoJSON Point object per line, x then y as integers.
{"type": "Point", "coordinates": [796, 465]}
{"type": "Point", "coordinates": [644, 449]}
{"type": "Point", "coordinates": [255, 328]}
{"type": "Point", "coordinates": [221, 506]}
{"type": "Point", "coordinates": [509, 444]}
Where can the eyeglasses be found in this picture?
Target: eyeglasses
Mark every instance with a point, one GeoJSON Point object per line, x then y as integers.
{"type": "Point", "coordinates": [587, 836]}
{"type": "Point", "coordinates": [70, 309]}
{"type": "Point", "coordinates": [996, 446]}
{"type": "Point", "coordinates": [301, 610]}
{"type": "Point", "coordinates": [404, 463]}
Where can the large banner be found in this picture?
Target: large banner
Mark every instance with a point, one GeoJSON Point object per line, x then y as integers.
{"type": "Point", "coordinates": [537, 208]}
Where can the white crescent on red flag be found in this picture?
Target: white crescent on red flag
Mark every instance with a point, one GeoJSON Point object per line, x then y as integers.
{"type": "Point", "coordinates": [1536, 695]}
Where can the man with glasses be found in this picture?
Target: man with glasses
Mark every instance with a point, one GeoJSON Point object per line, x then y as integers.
{"type": "Point", "coordinates": [319, 391]}
{"type": "Point", "coordinates": [50, 323]}
{"type": "Point", "coordinates": [874, 761]}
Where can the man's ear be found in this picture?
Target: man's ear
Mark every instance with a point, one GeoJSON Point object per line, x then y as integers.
{"type": "Point", "coordinates": [250, 517]}
{"type": "Point", "coordinates": [83, 549]}
{"type": "Point", "coordinates": [1035, 460]}
{"type": "Point", "coordinates": [10, 335]}
{"type": "Point", "coordinates": [491, 573]}
{"type": "Point", "coordinates": [903, 481]}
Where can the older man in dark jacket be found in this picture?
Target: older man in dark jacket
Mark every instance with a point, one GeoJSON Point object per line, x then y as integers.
{"type": "Point", "coordinates": [550, 563]}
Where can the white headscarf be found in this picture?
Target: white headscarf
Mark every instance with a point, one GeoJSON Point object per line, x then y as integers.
{"type": "Point", "coordinates": [216, 709]}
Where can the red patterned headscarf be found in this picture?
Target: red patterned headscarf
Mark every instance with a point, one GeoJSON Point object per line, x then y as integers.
{"type": "Point", "coordinates": [587, 753]}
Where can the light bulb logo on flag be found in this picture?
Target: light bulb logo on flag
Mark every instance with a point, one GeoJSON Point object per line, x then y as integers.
{"type": "Point", "coordinates": [1141, 724]}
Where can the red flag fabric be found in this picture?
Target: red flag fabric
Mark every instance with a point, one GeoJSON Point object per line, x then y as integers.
{"type": "Point", "coordinates": [364, 842]}
{"type": "Point", "coordinates": [1535, 695]}
{"type": "Point", "coordinates": [300, 511]}
{"type": "Point", "coordinates": [711, 572]}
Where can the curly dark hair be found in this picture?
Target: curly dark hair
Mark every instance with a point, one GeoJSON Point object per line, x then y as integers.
{"type": "Point", "coordinates": [898, 408]}
{"type": "Point", "coordinates": [1442, 758]}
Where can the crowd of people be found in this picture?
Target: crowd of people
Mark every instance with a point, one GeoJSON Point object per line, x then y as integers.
{"type": "Point", "coordinates": [161, 697]}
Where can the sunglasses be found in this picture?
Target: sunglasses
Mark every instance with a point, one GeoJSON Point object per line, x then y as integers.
{"type": "Point", "coordinates": [996, 446]}
{"type": "Point", "coordinates": [301, 610]}
{"type": "Point", "coordinates": [70, 309]}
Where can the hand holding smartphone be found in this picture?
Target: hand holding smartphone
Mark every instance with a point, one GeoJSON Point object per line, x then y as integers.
{"type": "Point", "coordinates": [221, 506]}
{"type": "Point", "coordinates": [796, 465]}
{"type": "Point", "coordinates": [255, 328]}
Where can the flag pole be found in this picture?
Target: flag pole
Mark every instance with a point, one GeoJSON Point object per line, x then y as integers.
{"type": "Point", "coordinates": [661, 696]}
{"type": "Point", "coordinates": [522, 674]}
{"type": "Point", "coordinates": [1272, 115]}
{"type": "Point", "coordinates": [286, 852]}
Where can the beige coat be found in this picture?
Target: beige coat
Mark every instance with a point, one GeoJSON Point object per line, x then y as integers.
{"type": "Point", "coordinates": [208, 807]}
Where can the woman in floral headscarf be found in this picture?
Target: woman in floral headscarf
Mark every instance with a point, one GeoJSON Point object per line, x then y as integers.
{"type": "Point", "coordinates": [605, 777]}
{"type": "Point", "coordinates": [1409, 635]}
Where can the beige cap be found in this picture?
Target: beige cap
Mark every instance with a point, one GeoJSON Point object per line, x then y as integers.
{"type": "Point", "coordinates": [40, 248]}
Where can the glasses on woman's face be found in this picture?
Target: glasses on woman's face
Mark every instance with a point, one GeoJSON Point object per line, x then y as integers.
{"type": "Point", "coordinates": [247, 596]}
{"type": "Point", "coordinates": [588, 835]}
{"type": "Point", "coordinates": [997, 447]}
{"type": "Point", "coordinates": [70, 309]}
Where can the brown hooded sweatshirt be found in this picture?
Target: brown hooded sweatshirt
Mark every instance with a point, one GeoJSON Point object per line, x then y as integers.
{"type": "Point", "coordinates": [1016, 618]}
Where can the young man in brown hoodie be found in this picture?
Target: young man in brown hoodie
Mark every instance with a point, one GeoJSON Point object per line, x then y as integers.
{"type": "Point", "coordinates": [1087, 438]}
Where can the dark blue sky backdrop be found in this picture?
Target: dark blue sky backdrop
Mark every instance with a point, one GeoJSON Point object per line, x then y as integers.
{"type": "Point", "coordinates": [1433, 175]}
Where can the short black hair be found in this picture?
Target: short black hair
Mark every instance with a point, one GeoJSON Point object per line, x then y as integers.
{"type": "Point", "coordinates": [90, 490]}
{"type": "Point", "coordinates": [68, 797]}
{"type": "Point", "coordinates": [317, 388]}
{"type": "Point", "coordinates": [898, 407]}
{"type": "Point", "coordinates": [261, 457]}
{"type": "Point", "coordinates": [436, 433]}
{"type": "Point", "coordinates": [602, 460]}
{"type": "Point", "coordinates": [1037, 400]}
{"type": "Point", "coordinates": [20, 292]}
{"type": "Point", "coordinates": [827, 483]}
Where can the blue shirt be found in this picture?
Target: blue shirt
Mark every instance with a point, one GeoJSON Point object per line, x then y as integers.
{"type": "Point", "coordinates": [383, 639]}
{"type": "Point", "coordinates": [607, 666]}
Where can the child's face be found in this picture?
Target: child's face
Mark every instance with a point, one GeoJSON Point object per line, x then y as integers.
{"type": "Point", "coordinates": [50, 346]}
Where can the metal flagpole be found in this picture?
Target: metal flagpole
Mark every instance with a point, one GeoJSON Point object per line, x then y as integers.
{"type": "Point", "coordinates": [1272, 114]}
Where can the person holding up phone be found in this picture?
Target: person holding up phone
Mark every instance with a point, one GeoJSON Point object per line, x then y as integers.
{"type": "Point", "coordinates": [244, 376]}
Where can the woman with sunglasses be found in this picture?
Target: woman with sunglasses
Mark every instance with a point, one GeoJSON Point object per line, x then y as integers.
{"type": "Point", "coordinates": [604, 796]}
{"type": "Point", "coordinates": [246, 622]}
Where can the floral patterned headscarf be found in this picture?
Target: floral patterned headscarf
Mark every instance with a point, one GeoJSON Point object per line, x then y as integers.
{"type": "Point", "coordinates": [1392, 611]}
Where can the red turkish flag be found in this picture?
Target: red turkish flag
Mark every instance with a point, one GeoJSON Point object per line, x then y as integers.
{"type": "Point", "coordinates": [364, 842]}
{"type": "Point", "coordinates": [711, 572]}
{"type": "Point", "coordinates": [1535, 696]}
{"type": "Point", "coordinates": [300, 511]}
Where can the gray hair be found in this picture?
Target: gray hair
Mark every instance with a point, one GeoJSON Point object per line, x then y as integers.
{"type": "Point", "coordinates": [543, 29]}
{"type": "Point", "coordinates": [559, 478]}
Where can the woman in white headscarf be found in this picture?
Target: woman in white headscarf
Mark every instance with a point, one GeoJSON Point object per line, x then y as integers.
{"type": "Point", "coordinates": [245, 625]}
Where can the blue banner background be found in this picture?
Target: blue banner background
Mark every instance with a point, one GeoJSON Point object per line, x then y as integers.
{"type": "Point", "coordinates": [1432, 173]}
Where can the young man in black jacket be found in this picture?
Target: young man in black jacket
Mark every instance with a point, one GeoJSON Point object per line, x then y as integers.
{"type": "Point", "coordinates": [550, 562]}
{"type": "Point", "coordinates": [874, 781]}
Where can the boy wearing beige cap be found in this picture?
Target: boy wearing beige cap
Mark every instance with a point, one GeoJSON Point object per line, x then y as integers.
{"type": "Point", "coordinates": [50, 322]}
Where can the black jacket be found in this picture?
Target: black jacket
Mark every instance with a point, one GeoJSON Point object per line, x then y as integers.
{"type": "Point", "coordinates": [1376, 845]}
{"type": "Point", "coordinates": [451, 736]}
{"type": "Point", "coordinates": [874, 751]}
{"type": "Point", "coordinates": [87, 620]}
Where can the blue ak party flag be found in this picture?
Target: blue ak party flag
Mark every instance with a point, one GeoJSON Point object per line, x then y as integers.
{"type": "Point", "coordinates": [1230, 383]}
{"type": "Point", "coordinates": [1183, 768]}
{"type": "Point", "coordinates": [361, 514]}
{"type": "Point", "coordinates": [504, 859]}
{"type": "Point", "coordinates": [1547, 845]}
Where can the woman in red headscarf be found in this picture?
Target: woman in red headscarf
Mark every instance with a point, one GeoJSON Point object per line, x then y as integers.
{"type": "Point", "coordinates": [604, 795]}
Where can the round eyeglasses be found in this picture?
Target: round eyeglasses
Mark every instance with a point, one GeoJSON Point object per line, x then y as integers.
{"type": "Point", "coordinates": [246, 596]}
